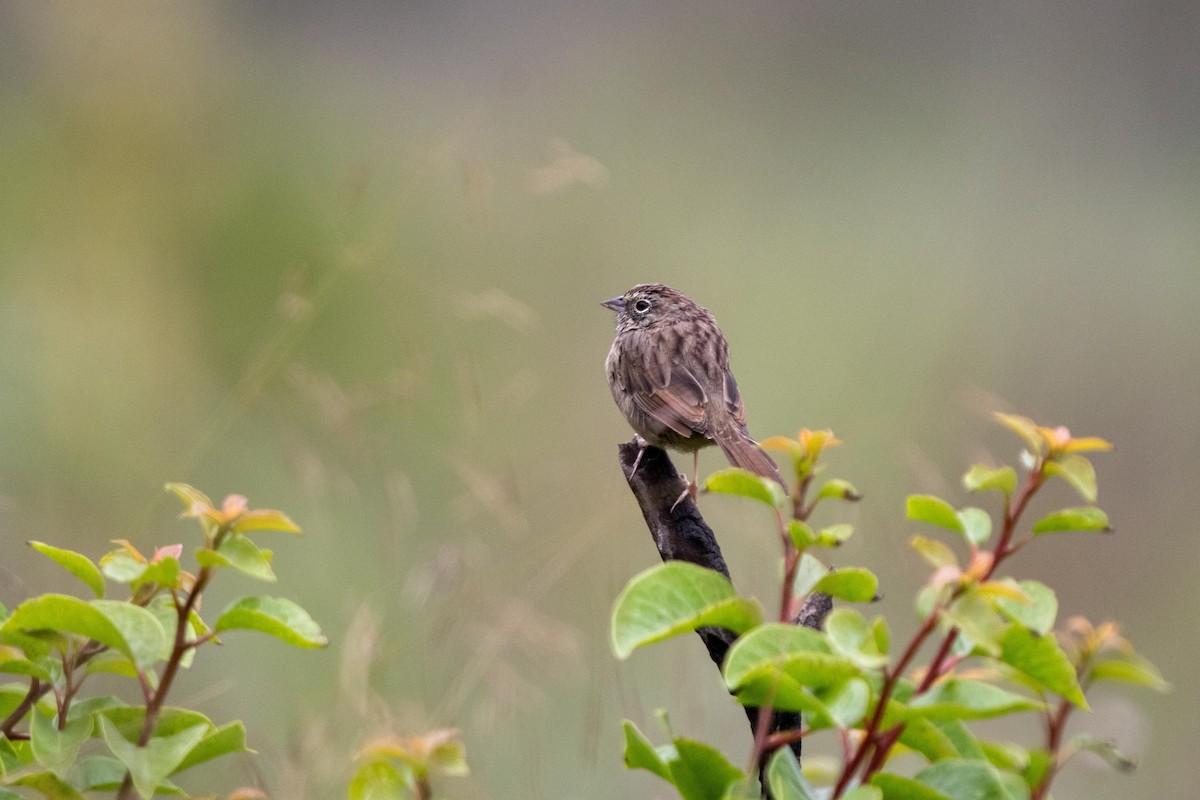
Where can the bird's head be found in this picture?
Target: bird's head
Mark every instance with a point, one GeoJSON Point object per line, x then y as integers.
{"type": "Point", "coordinates": [648, 305]}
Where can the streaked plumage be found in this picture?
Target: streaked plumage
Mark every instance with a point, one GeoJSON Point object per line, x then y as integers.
{"type": "Point", "coordinates": [668, 370]}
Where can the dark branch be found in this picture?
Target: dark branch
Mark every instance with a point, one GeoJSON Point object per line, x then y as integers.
{"type": "Point", "coordinates": [813, 612]}
{"type": "Point", "coordinates": [681, 534]}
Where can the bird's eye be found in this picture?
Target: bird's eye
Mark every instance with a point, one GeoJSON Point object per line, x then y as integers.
{"type": "Point", "coordinates": [641, 306]}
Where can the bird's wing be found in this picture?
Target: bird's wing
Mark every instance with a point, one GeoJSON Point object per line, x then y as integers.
{"type": "Point", "coordinates": [733, 400]}
{"type": "Point", "coordinates": [666, 391]}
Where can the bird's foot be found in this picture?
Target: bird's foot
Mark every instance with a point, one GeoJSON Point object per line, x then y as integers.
{"type": "Point", "coordinates": [642, 445]}
{"type": "Point", "coordinates": [689, 491]}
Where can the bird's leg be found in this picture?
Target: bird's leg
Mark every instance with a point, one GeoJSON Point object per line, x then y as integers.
{"type": "Point", "coordinates": [692, 484]}
{"type": "Point", "coordinates": [642, 445]}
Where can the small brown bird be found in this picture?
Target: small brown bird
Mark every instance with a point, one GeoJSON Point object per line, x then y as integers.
{"type": "Point", "coordinates": [668, 370]}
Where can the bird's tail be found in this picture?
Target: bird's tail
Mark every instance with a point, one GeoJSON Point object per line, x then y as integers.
{"type": "Point", "coordinates": [744, 452]}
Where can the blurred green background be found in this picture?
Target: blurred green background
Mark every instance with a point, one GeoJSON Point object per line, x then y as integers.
{"type": "Point", "coordinates": [347, 259]}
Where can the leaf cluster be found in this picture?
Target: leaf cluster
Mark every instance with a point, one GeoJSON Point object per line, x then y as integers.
{"type": "Point", "coordinates": [396, 768]}
{"type": "Point", "coordinates": [998, 653]}
{"type": "Point", "coordinates": [62, 744]}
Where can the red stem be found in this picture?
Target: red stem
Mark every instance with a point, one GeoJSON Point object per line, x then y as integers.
{"type": "Point", "coordinates": [154, 702]}
{"type": "Point", "coordinates": [764, 741]}
{"type": "Point", "coordinates": [1055, 727]}
{"type": "Point", "coordinates": [935, 666]}
{"type": "Point", "coordinates": [36, 690]}
{"type": "Point", "coordinates": [154, 706]}
{"type": "Point", "coordinates": [882, 743]}
{"type": "Point", "coordinates": [784, 738]}
{"type": "Point", "coordinates": [791, 561]}
{"type": "Point", "coordinates": [890, 679]}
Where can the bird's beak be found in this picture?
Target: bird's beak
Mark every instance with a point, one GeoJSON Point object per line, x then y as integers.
{"type": "Point", "coordinates": [614, 304]}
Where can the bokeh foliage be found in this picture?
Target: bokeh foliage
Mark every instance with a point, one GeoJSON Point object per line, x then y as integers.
{"type": "Point", "coordinates": [310, 254]}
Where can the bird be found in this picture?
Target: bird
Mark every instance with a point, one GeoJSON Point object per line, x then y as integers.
{"type": "Point", "coordinates": [668, 370]}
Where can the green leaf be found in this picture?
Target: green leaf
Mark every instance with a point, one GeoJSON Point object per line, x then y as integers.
{"type": "Point", "coordinates": [1006, 756]}
{"type": "Point", "coordinates": [122, 567]}
{"type": "Point", "coordinates": [77, 564]}
{"type": "Point", "coordinates": [240, 553]}
{"type": "Point", "coordinates": [379, 779]}
{"type": "Point", "coordinates": [854, 584]}
{"type": "Point", "coordinates": [935, 511]}
{"type": "Point", "coordinates": [164, 571]}
{"type": "Point", "coordinates": [843, 490]}
{"type": "Point", "coordinates": [14, 662]}
{"type": "Point", "coordinates": [740, 482]}
{"type": "Point", "coordinates": [938, 554]}
{"type": "Point", "coordinates": [965, 743]}
{"type": "Point", "coordinates": [165, 612]}
{"type": "Point", "coordinates": [981, 478]}
{"type": "Point", "coordinates": [111, 662]}
{"type": "Point", "coordinates": [1039, 614]}
{"type": "Point", "coordinates": [188, 496]}
{"type": "Point", "coordinates": [15, 755]}
{"type": "Point", "coordinates": [851, 637]}
{"type": "Point", "coordinates": [145, 639]}
{"type": "Point", "coordinates": [864, 792]}
{"type": "Point", "coordinates": [964, 780]}
{"type": "Point", "coordinates": [449, 757]}
{"type": "Point", "coordinates": [128, 720]}
{"type": "Point", "coordinates": [640, 753]}
{"type": "Point", "coordinates": [774, 645]}
{"type": "Point", "coordinates": [98, 774]}
{"type": "Point", "coordinates": [701, 771]}
{"type": "Point", "coordinates": [923, 736]}
{"type": "Point", "coordinates": [1040, 763]}
{"type": "Point", "coordinates": [83, 708]}
{"type": "Point", "coordinates": [898, 787]}
{"type": "Point", "coordinates": [803, 536]}
{"type": "Point", "coordinates": [55, 749]}
{"type": "Point", "coordinates": [1077, 471]}
{"type": "Point", "coordinates": [1106, 750]}
{"type": "Point", "coordinates": [1014, 785]}
{"type": "Point", "coordinates": [276, 616]}
{"type": "Point", "coordinates": [747, 788]}
{"type": "Point", "coordinates": [964, 698]}
{"type": "Point", "coordinates": [784, 777]}
{"type": "Point", "coordinates": [437, 752]}
{"type": "Point", "coordinates": [126, 565]}
{"type": "Point", "coordinates": [1129, 668]}
{"type": "Point", "coordinates": [847, 704]}
{"type": "Point", "coordinates": [150, 765]}
{"type": "Point", "coordinates": [65, 614]}
{"type": "Point", "coordinates": [882, 634]}
{"type": "Point", "coordinates": [199, 627]}
{"type": "Point", "coordinates": [930, 597]}
{"type": "Point", "coordinates": [264, 520]}
{"type": "Point", "coordinates": [1086, 518]}
{"type": "Point", "coordinates": [977, 619]}
{"type": "Point", "coordinates": [784, 693]}
{"type": "Point", "coordinates": [1041, 658]}
{"type": "Point", "coordinates": [49, 785]}
{"type": "Point", "coordinates": [779, 664]}
{"type": "Point", "coordinates": [996, 588]}
{"type": "Point", "coordinates": [229, 738]}
{"type": "Point", "coordinates": [976, 525]}
{"type": "Point", "coordinates": [673, 598]}
{"type": "Point", "coordinates": [809, 571]}
{"type": "Point", "coordinates": [834, 535]}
